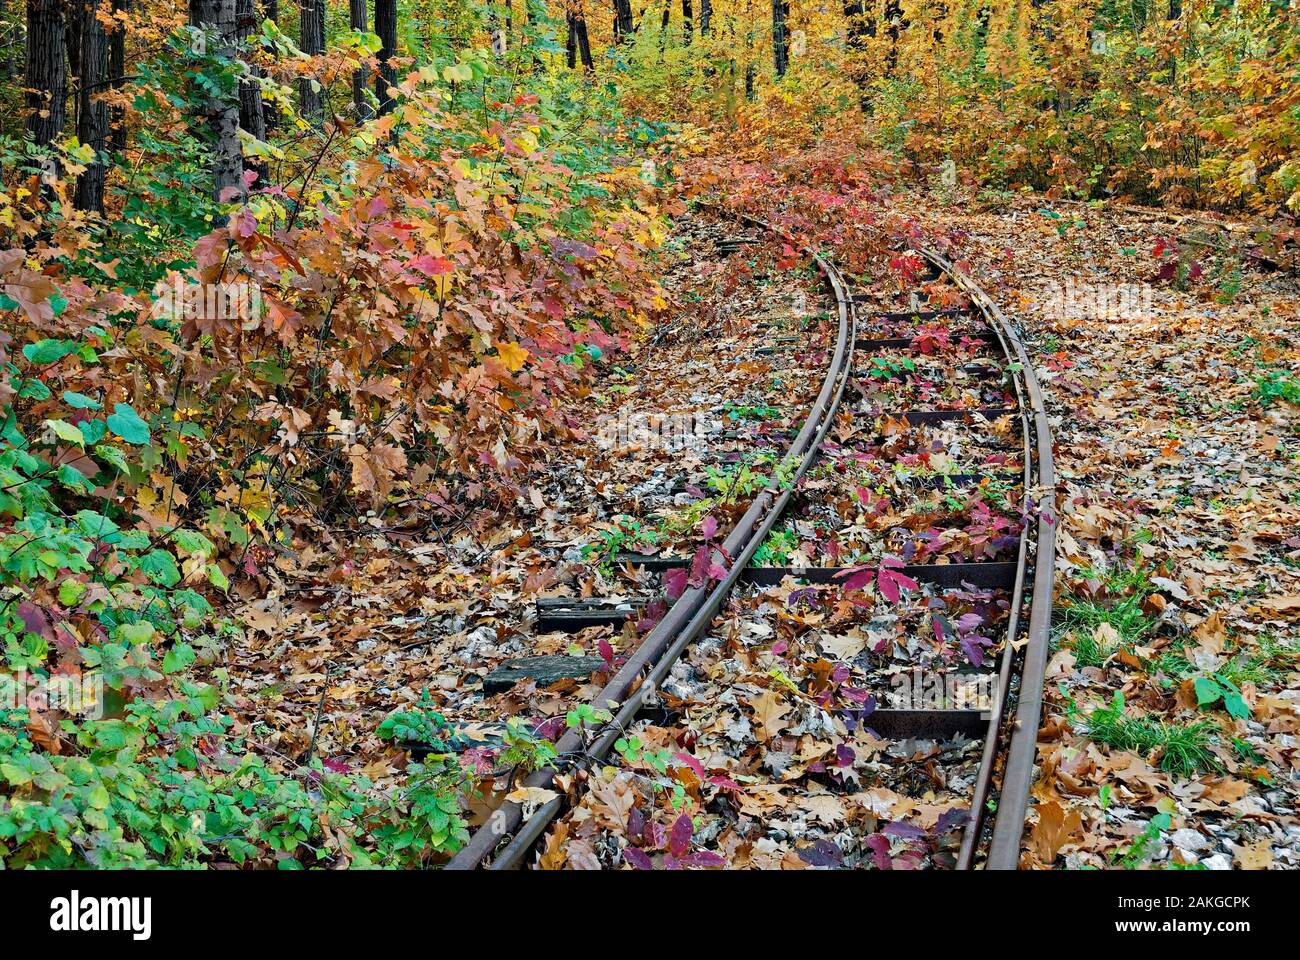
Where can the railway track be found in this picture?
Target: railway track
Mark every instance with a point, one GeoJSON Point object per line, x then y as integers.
{"type": "Point", "coordinates": [884, 351]}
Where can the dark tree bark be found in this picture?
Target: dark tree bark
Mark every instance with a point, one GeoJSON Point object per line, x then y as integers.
{"type": "Point", "coordinates": [358, 19]}
{"type": "Point", "coordinates": [386, 28]}
{"type": "Point", "coordinates": [780, 49]}
{"type": "Point", "coordinates": [6, 53]}
{"type": "Point", "coordinates": [252, 113]}
{"type": "Point", "coordinates": [584, 42]}
{"type": "Point", "coordinates": [706, 17]}
{"type": "Point", "coordinates": [47, 75]}
{"type": "Point", "coordinates": [860, 27]}
{"type": "Point", "coordinates": [270, 11]}
{"type": "Point", "coordinates": [893, 26]}
{"type": "Point", "coordinates": [577, 45]}
{"type": "Point", "coordinates": [117, 71]}
{"type": "Point", "coordinates": [688, 22]}
{"type": "Point", "coordinates": [623, 27]}
{"type": "Point", "coordinates": [92, 112]}
{"type": "Point", "coordinates": [221, 114]}
{"type": "Point", "coordinates": [311, 25]}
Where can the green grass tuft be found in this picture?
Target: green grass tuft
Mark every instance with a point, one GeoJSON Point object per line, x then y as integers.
{"type": "Point", "coordinates": [1184, 748]}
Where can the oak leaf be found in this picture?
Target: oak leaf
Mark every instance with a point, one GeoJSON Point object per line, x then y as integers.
{"type": "Point", "coordinates": [1053, 829]}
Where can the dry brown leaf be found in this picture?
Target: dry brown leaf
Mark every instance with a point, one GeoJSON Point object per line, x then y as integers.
{"type": "Point", "coordinates": [1053, 829]}
{"type": "Point", "coordinates": [769, 711]}
{"type": "Point", "coordinates": [1255, 856]}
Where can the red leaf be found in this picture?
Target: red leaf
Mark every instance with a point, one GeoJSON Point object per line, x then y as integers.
{"type": "Point", "coordinates": [700, 566]}
{"type": "Point", "coordinates": [675, 582]}
{"type": "Point", "coordinates": [691, 762]}
{"type": "Point", "coordinates": [704, 858]}
{"type": "Point", "coordinates": [855, 578]}
{"type": "Point", "coordinates": [680, 841]}
{"type": "Point", "coordinates": [432, 266]}
{"type": "Point", "coordinates": [889, 582]}
{"type": "Point", "coordinates": [638, 859]}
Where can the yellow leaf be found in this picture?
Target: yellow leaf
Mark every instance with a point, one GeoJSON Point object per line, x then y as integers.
{"type": "Point", "coordinates": [512, 355]}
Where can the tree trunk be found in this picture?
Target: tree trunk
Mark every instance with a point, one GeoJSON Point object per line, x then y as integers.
{"type": "Point", "coordinates": [311, 25]}
{"type": "Point", "coordinates": [584, 42]}
{"type": "Point", "coordinates": [47, 76]}
{"type": "Point", "coordinates": [217, 17]}
{"type": "Point", "coordinates": [571, 40]}
{"type": "Point", "coordinates": [252, 114]}
{"type": "Point", "coordinates": [780, 51]}
{"type": "Point", "coordinates": [270, 11]}
{"type": "Point", "coordinates": [688, 22]}
{"type": "Point", "coordinates": [358, 19]}
{"type": "Point", "coordinates": [623, 19]}
{"type": "Point", "coordinates": [893, 26]}
{"type": "Point", "coordinates": [386, 27]}
{"type": "Point", "coordinates": [706, 16]}
{"type": "Point", "coordinates": [117, 71]}
{"type": "Point", "coordinates": [92, 112]}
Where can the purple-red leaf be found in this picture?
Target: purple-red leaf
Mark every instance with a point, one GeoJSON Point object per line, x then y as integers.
{"type": "Point", "coordinates": [704, 858]}
{"type": "Point", "coordinates": [855, 578]}
{"type": "Point", "coordinates": [679, 843]}
{"type": "Point", "coordinates": [904, 831]}
{"type": "Point", "coordinates": [691, 762]}
{"type": "Point", "coordinates": [675, 582]}
{"type": "Point", "coordinates": [637, 858]}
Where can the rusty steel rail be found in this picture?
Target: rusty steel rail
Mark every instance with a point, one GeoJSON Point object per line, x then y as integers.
{"type": "Point", "coordinates": [642, 674]}
{"type": "Point", "coordinates": [692, 612]}
{"type": "Point", "coordinates": [1022, 740]}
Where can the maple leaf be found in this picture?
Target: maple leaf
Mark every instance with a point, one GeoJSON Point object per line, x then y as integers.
{"type": "Point", "coordinates": [432, 266]}
{"type": "Point", "coordinates": [512, 355]}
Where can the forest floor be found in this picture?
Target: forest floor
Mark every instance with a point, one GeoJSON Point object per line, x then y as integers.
{"type": "Point", "coordinates": [1178, 562]}
{"type": "Point", "coordinates": [1178, 570]}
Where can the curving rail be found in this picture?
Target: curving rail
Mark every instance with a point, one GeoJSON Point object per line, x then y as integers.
{"type": "Point", "coordinates": [692, 613]}
{"type": "Point", "coordinates": [687, 617]}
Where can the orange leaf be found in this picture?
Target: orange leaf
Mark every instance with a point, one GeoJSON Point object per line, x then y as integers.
{"type": "Point", "coordinates": [512, 355]}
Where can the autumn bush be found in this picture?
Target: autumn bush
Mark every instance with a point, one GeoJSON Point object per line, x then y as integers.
{"type": "Point", "coordinates": [1092, 98]}
{"type": "Point", "coordinates": [406, 302]}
